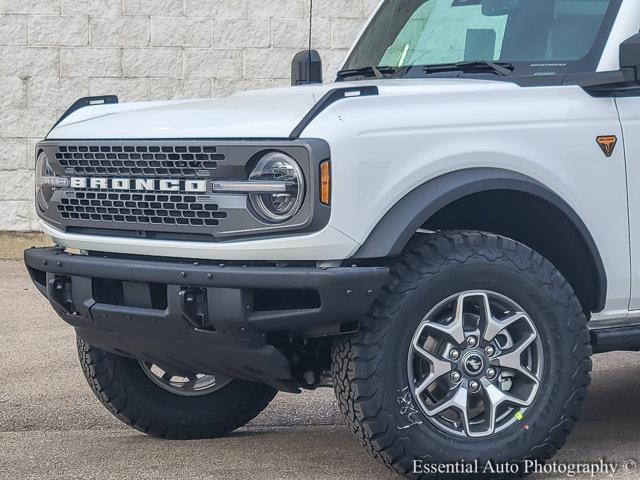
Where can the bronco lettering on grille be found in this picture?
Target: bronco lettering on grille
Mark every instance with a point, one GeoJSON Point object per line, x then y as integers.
{"type": "Point", "coordinates": [139, 184]}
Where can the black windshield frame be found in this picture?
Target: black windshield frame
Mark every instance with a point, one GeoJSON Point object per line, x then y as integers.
{"type": "Point", "coordinates": [587, 64]}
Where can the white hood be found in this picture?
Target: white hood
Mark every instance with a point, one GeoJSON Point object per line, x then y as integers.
{"type": "Point", "coordinates": [272, 113]}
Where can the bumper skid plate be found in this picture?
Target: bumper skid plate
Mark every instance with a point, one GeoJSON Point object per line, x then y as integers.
{"type": "Point", "coordinates": [191, 317]}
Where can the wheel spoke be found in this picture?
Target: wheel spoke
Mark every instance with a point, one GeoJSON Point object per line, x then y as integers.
{"type": "Point", "coordinates": [493, 326]}
{"type": "Point", "coordinates": [457, 400]}
{"type": "Point", "coordinates": [512, 359]}
{"type": "Point", "coordinates": [455, 328]}
{"type": "Point", "coordinates": [438, 368]}
{"type": "Point", "coordinates": [492, 402]}
{"type": "Point", "coordinates": [494, 398]}
{"type": "Point", "coordinates": [498, 397]}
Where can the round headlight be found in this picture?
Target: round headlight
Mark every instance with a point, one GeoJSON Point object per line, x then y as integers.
{"type": "Point", "coordinates": [44, 187]}
{"type": "Point", "coordinates": [280, 169]}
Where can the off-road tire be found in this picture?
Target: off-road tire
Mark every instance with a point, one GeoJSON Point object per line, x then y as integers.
{"type": "Point", "coordinates": [370, 367]}
{"type": "Point", "coordinates": [129, 394]}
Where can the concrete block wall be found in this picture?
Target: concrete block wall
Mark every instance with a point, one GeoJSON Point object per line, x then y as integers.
{"type": "Point", "coordinates": [55, 51]}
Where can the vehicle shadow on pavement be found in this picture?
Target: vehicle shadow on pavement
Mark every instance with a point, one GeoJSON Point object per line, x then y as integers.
{"type": "Point", "coordinates": [295, 453]}
{"type": "Point", "coordinates": [51, 426]}
{"type": "Point", "coordinates": [610, 422]}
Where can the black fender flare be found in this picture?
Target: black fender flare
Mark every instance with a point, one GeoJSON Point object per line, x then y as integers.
{"type": "Point", "coordinates": [400, 223]}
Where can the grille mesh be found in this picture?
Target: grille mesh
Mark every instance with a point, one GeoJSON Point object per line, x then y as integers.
{"type": "Point", "coordinates": [140, 208]}
{"type": "Point", "coordinates": [129, 160]}
{"type": "Point", "coordinates": [165, 211]}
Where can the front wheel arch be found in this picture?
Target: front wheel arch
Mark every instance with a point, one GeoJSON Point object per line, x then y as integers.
{"type": "Point", "coordinates": [429, 206]}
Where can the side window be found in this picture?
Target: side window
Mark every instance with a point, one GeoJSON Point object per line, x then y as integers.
{"type": "Point", "coordinates": [442, 31]}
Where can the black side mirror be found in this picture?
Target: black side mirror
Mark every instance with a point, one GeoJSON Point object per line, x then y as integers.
{"type": "Point", "coordinates": [306, 68]}
{"type": "Point", "coordinates": [606, 83]}
{"type": "Point", "coordinates": [630, 54]}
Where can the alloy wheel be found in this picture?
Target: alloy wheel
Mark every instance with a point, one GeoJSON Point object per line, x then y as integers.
{"type": "Point", "coordinates": [184, 384]}
{"type": "Point", "coordinates": [475, 364]}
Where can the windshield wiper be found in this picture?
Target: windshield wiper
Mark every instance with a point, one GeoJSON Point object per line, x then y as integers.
{"type": "Point", "coordinates": [499, 68]}
{"type": "Point", "coordinates": [375, 72]}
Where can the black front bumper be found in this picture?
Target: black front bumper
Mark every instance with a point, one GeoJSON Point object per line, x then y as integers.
{"type": "Point", "coordinates": [203, 318]}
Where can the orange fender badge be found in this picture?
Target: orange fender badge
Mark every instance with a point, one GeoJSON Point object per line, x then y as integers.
{"type": "Point", "coordinates": [607, 144]}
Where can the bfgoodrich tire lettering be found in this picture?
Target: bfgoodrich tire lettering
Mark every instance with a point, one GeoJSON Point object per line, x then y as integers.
{"type": "Point", "coordinates": [371, 373]}
{"type": "Point", "coordinates": [128, 393]}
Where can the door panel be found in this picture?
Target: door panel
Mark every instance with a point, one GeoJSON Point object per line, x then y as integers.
{"type": "Point", "coordinates": [629, 109]}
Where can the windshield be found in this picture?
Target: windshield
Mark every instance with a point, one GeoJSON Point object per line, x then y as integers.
{"type": "Point", "coordinates": [532, 36]}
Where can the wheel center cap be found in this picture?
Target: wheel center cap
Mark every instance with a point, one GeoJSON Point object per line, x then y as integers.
{"type": "Point", "coordinates": [473, 364]}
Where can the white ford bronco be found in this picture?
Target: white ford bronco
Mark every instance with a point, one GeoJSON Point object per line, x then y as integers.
{"type": "Point", "coordinates": [445, 233]}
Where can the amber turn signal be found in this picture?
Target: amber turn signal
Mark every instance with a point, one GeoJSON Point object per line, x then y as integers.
{"type": "Point", "coordinates": [325, 182]}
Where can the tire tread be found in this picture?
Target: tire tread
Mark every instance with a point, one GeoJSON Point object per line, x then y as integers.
{"type": "Point", "coordinates": [355, 359]}
{"type": "Point", "coordinates": [99, 368]}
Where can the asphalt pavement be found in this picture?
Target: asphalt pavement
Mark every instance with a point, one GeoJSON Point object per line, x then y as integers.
{"type": "Point", "coordinates": [52, 427]}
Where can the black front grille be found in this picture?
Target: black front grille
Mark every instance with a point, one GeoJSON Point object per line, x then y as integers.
{"type": "Point", "coordinates": [170, 212]}
{"type": "Point", "coordinates": [140, 209]}
{"type": "Point", "coordinates": [135, 160]}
